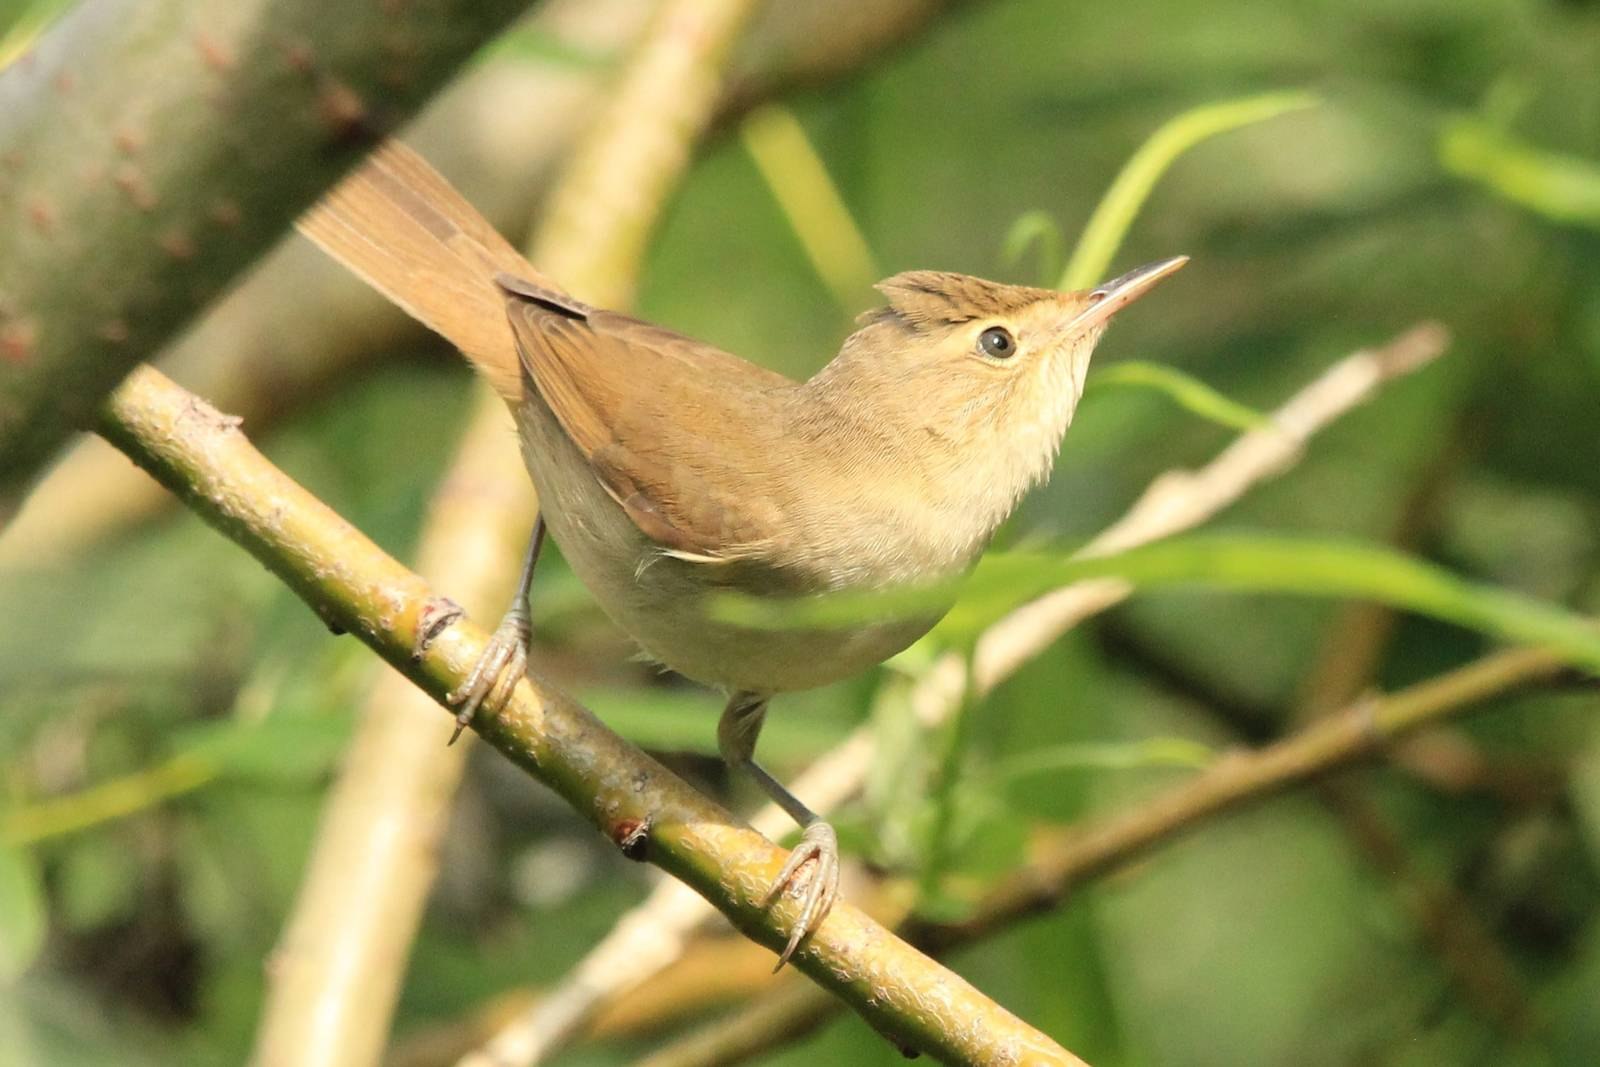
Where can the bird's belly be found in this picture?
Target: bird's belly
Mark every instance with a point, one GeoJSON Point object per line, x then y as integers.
{"type": "Point", "coordinates": [659, 601]}
{"type": "Point", "coordinates": [738, 658]}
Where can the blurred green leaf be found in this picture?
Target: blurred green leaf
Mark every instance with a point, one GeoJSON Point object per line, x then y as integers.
{"type": "Point", "coordinates": [285, 747]}
{"type": "Point", "coordinates": [115, 798]}
{"type": "Point", "coordinates": [1106, 756]}
{"type": "Point", "coordinates": [22, 911]}
{"type": "Point", "coordinates": [1189, 393]}
{"type": "Point", "coordinates": [1035, 229]}
{"type": "Point", "coordinates": [98, 881]}
{"type": "Point", "coordinates": [1562, 188]}
{"type": "Point", "coordinates": [685, 720]}
{"type": "Point", "coordinates": [1255, 562]}
{"type": "Point", "coordinates": [988, 837]}
{"type": "Point", "coordinates": [896, 788]}
{"type": "Point", "coordinates": [811, 203]}
{"type": "Point", "coordinates": [33, 18]}
{"type": "Point", "coordinates": [1120, 205]}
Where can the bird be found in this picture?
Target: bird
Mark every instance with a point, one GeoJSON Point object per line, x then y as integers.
{"type": "Point", "coordinates": [667, 469]}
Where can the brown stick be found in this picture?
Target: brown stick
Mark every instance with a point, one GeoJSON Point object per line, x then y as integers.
{"type": "Point", "coordinates": [1075, 855]}
{"type": "Point", "coordinates": [1067, 859]}
{"type": "Point", "coordinates": [355, 587]}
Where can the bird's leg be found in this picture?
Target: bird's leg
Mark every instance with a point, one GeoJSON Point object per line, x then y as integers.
{"type": "Point", "coordinates": [736, 738]}
{"type": "Point", "coordinates": [505, 657]}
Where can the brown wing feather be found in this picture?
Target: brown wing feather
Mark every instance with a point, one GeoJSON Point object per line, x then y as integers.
{"type": "Point", "coordinates": [633, 397]}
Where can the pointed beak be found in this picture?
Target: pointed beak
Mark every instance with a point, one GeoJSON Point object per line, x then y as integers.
{"type": "Point", "coordinates": [1118, 293]}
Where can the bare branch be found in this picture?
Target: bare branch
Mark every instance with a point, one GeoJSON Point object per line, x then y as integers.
{"type": "Point", "coordinates": [1075, 855]}
{"type": "Point", "coordinates": [1069, 858]}
{"type": "Point", "coordinates": [355, 587]}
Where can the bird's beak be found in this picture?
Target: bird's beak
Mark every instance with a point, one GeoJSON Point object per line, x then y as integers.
{"type": "Point", "coordinates": [1118, 293]}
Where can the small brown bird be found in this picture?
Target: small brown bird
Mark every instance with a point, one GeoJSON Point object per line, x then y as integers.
{"type": "Point", "coordinates": [667, 468]}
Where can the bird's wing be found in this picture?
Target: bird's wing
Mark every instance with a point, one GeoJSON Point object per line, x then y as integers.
{"type": "Point", "coordinates": [680, 433]}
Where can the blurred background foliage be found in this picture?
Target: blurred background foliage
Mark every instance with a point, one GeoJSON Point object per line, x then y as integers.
{"type": "Point", "coordinates": [170, 715]}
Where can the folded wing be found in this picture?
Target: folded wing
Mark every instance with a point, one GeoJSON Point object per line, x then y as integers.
{"type": "Point", "coordinates": [693, 460]}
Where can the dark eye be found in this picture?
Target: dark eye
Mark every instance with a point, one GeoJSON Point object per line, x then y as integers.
{"type": "Point", "coordinates": [997, 341]}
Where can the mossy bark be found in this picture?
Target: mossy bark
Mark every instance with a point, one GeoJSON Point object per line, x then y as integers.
{"type": "Point", "coordinates": [150, 151]}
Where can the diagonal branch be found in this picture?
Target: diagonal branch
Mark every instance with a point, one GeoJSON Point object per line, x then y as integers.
{"type": "Point", "coordinates": [654, 934]}
{"type": "Point", "coordinates": [201, 455]}
{"type": "Point", "coordinates": [340, 962]}
{"type": "Point", "coordinates": [1064, 860]}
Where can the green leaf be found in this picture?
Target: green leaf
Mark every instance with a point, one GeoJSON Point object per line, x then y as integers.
{"type": "Point", "coordinates": [1251, 562]}
{"type": "Point", "coordinates": [1191, 394]}
{"type": "Point", "coordinates": [1035, 228]}
{"type": "Point", "coordinates": [1148, 753]}
{"type": "Point", "coordinates": [22, 911]}
{"type": "Point", "coordinates": [285, 747]}
{"type": "Point", "coordinates": [1562, 188]}
{"type": "Point", "coordinates": [1120, 205]}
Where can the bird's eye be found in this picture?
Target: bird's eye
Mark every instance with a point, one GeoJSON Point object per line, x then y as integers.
{"type": "Point", "coordinates": [997, 342]}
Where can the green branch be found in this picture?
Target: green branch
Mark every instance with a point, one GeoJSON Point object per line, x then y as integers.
{"type": "Point", "coordinates": [356, 588]}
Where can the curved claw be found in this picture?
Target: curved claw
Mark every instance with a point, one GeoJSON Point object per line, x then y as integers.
{"type": "Point", "coordinates": [820, 844]}
{"type": "Point", "coordinates": [502, 664]}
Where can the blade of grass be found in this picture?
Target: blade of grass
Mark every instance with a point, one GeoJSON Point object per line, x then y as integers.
{"type": "Point", "coordinates": [1030, 229]}
{"type": "Point", "coordinates": [1153, 752]}
{"type": "Point", "coordinates": [1562, 188]}
{"type": "Point", "coordinates": [1114, 215]}
{"type": "Point", "coordinates": [811, 203]}
{"type": "Point", "coordinates": [107, 801]}
{"type": "Point", "coordinates": [1245, 562]}
{"type": "Point", "coordinates": [1189, 393]}
{"type": "Point", "coordinates": [1132, 186]}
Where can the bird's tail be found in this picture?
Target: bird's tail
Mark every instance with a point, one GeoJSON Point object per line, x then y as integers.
{"type": "Point", "coordinates": [400, 226]}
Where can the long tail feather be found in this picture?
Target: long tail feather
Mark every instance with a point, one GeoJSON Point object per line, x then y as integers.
{"type": "Point", "coordinates": [408, 233]}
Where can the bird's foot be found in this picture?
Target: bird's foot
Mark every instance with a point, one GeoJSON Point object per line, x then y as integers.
{"type": "Point", "coordinates": [501, 665]}
{"type": "Point", "coordinates": [819, 846]}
